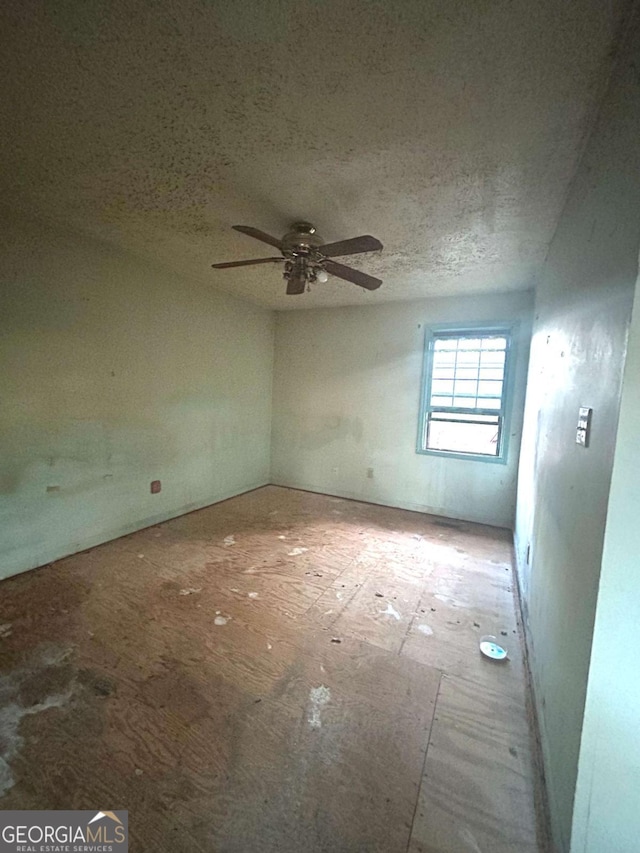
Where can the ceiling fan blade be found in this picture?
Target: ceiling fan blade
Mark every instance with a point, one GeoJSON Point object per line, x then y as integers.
{"type": "Point", "coordinates": [230, 264]}
{"type": "Point", "coordinates": [258, 235]}
{"type": "Point", "coordinates": [354, 276]}
{"type": "Point", "coordinates": [355, 246]}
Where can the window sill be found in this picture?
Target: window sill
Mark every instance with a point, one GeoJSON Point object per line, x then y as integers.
{"type": "Point", "coordinates": [470, 457]}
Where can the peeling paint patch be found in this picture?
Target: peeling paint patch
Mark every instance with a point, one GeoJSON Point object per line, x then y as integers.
{"type": "Point", "coordinates": [282, 537]}
{"type": "Point", "coordinates": [426, 630]}
{"type": "Point", "coordinates": [252, 595]}
{"type": "Point", "coordinates": [318, 698]}
{"type": "Point", "coordinates": [190, 590]}
{"type": "Point", "coordinates": [5, 630]}
{"type": "Point", "coordinates": [297, 551]}
{"type": "Point", "coordinates": [390, 611]}
{"type": "Point", "coordinates": [221, 620]}
{"type": "Point", "coordinates": [229, 540]}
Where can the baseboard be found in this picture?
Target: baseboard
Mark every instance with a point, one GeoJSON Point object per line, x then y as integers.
{"type": "Point", "coordinates": [127, 529]}
{"type": "Point", "coordinates": [441, 512]}
{"type": "Point", "coordinates": [543, 817]}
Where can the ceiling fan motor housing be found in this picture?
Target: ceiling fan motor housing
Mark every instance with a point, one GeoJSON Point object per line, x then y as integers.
{"type": "Point", "coordinates": [303, 260]}
{"type": "Point", "coordinates": [301, 239]}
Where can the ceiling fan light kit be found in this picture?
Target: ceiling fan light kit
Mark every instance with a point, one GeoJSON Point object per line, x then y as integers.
{"type": "Point", "coordinates": [307, 258]}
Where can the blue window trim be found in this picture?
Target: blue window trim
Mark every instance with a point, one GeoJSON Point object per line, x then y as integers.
{"type": "Point", "coordinates": [508, 330]}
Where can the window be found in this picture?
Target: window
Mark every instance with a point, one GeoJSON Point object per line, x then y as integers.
{"type": "Point", "coordinates": [464, 398]}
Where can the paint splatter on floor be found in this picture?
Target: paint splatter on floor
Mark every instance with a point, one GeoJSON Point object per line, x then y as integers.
{"type": "Point", "coordinates": [318, 698]}
{"type": "Point", "coordinates": [390, 611]}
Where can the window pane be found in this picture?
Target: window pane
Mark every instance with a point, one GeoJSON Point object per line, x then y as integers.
{"type": "Point", "coordinates": [492, 359]}
{"type": "Point", "coordinates": [446, 373]}
{"type": "Point", "coordinates": [444, 359]}
{"type": "Point", "coordinates": [487, 403]}
{"type": "Point", "coordinates": [469, 358]}
{"type": "Point", "coordinates": [464, 402]}
{"type": "Point", "coordinates": [489, 389]}
{"type": "Point", "coordinates": [445, 343]}
{"type": "Point", "coordinates": [442, 386]}
{"type": "Point", "coordinates": [441, 401]}
{"type": "Point", "coordinates": [477, 438]}
{"type": "Point", "coordinates": [469, 343]}
{"type": "Point", "coordinates": [469, 373]}
{"type": "Point", "coordinates": [465, 386]}
{"type": "Point", "coordinates": [491, 373]}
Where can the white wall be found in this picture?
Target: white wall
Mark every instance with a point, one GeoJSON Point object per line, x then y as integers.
{"type": "Point", "coordinates": [347, 396]}
{"type": "Point", "coordinates": [116, 373]}
{"type": "Point", "coordinates": [582, 311]}
{"type": "Point", "coordinates": [606, 812]}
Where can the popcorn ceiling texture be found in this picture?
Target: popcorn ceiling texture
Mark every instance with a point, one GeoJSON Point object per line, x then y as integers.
{"type": "Point", "coordinates": [448, 130]}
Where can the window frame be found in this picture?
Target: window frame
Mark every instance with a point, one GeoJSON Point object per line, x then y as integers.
{"type": "Point", "coordinates": [468, 330]}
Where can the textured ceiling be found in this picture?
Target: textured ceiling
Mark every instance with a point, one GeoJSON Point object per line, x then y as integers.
{"type": "Point", "coordinates": [449, 130]}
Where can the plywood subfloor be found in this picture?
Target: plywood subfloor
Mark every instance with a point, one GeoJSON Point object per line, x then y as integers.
{"type": "Point", "coordinates": [279, 672]}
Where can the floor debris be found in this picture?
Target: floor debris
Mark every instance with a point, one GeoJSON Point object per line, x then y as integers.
{"type": "Point", "coordinates": [390, 611]}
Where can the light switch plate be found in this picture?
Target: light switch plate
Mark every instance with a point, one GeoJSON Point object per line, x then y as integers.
{"type": "Point", "coordinates": [584, 426]}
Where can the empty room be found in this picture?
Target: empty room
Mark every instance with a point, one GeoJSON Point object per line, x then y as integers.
{"type": "Point", "coordinates": [319, 384]}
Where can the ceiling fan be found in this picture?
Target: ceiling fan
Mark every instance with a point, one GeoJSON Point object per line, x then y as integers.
{"type": "Point", "coordinates": [307, 258]}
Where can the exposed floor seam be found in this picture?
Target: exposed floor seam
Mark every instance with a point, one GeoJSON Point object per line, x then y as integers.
{"type": "Point", "coordinates": [424, 763]}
